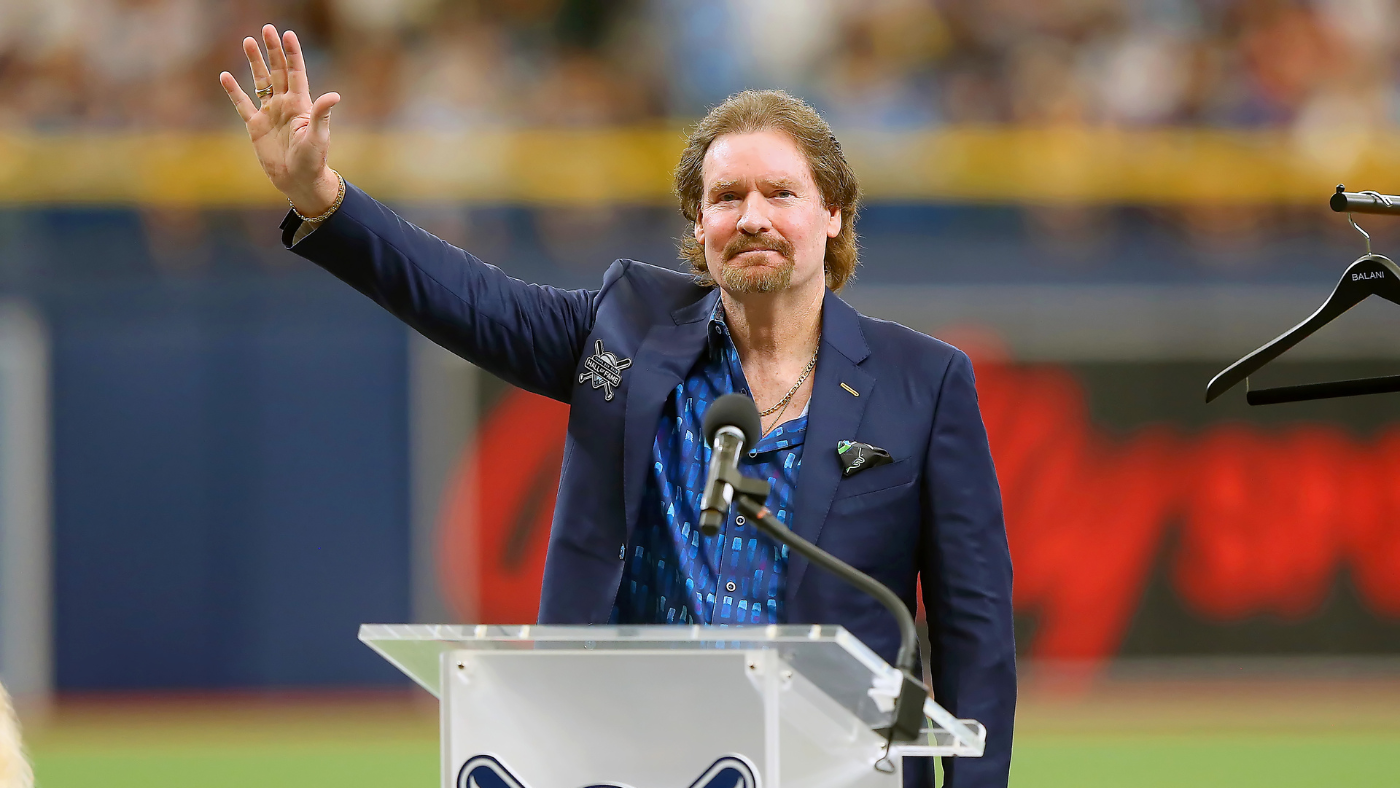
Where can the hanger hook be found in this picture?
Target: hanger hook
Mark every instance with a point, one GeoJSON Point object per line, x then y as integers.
{"type": "Point", "coordinates": [1364, 234]}
{"type": "Point", "coordinates": [1384, 200]}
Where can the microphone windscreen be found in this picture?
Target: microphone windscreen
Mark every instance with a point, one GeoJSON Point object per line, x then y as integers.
{"type": "Point", "coordinates": [733, 410]}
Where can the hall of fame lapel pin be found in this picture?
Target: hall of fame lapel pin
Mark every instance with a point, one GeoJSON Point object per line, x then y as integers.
{"type": "Point", "coordinates": [604, 370]}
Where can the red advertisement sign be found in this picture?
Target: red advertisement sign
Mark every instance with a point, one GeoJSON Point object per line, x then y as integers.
{"type": "Point", "coordinates": [1261, 519]}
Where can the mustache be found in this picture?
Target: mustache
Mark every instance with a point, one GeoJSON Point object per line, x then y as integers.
{"type": "Point", "coordinates": [758, 243]}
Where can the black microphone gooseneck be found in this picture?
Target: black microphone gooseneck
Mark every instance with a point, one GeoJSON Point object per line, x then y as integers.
{"type": "Point", "coordinates": [737, 413]}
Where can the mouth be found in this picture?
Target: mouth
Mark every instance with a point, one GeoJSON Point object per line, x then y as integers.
{"type": "Point", "coordinates": [738, 255]}
{"type": "Point", "coordinates": [766, 251]}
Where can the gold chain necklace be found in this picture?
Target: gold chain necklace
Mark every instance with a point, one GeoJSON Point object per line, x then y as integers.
{"type": "Point", "coordinates": [808, 371]}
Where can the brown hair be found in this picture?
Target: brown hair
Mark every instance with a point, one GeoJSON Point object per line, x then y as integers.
{"type": "Point", "coordinates": [774, 110]}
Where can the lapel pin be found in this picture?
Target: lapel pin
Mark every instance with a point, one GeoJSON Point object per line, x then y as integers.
{"type": "Point", "coordinates": [604, 370]}
{"type": "Point", "coordinates": [854, 393]}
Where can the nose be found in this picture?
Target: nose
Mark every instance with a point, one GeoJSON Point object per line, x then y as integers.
{"type": "Point", "coordinates": [754, 218]}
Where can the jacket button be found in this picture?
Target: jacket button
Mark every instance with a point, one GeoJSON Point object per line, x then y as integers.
{"type": "Point", "coordinates": [730, 586]}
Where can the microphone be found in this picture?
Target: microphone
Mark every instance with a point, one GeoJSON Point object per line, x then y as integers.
{"type": "Point", "coordinates": [731, 425]}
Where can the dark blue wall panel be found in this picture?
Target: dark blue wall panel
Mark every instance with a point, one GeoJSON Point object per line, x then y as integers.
{"type": "Point", "coordinates": [230, 482]}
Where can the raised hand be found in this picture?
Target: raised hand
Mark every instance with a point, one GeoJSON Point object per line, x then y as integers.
{"type": "Point", "coordinates": [290, 134]}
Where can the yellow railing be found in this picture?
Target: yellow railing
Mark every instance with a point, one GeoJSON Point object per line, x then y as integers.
{"type": "Point", "coordinates": [961, 164]}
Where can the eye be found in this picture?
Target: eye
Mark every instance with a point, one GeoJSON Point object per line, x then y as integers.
{"type": "Point", "coordinates": [785, 193]}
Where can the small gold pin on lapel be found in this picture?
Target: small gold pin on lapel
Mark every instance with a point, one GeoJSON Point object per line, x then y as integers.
{"type": "Point", "coordinates": [854, 393]}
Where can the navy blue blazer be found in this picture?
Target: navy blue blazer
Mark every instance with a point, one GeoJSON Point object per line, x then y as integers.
{"type": "Point", "coordinates": [934, 513]}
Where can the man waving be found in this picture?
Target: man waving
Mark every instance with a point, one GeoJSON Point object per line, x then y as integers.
{"type": "Point", "coordinates": [872, 438]}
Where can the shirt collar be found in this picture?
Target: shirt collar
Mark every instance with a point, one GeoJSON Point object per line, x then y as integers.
{"type": "Point", "coordinates": [786, 435]}
{"type": "Point", "coordinates": [718, 312]}
{"type": "Point", "coordinates": [718, 331]}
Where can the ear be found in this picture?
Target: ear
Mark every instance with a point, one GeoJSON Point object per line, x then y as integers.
{"type": "Point", "coordinates": [699, 232]}
{"type": "Point", "coordinates": [833, 223]}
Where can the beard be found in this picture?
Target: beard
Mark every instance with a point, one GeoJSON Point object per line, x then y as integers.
{"type": "Point", "coordinates": [756, 278]}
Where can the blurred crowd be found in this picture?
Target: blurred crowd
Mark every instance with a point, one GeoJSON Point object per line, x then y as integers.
{"type": "Point", "coordinates": [454, 64]}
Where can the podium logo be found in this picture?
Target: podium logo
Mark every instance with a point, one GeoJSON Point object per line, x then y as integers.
{"type": "Point", "coordinates": [484, 771]}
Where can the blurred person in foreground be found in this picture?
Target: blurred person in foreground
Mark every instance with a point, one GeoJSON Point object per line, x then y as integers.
{"type": "Point", "coordinates": [773, 203]}
{"type": "Point", "coordinates": [14, 768]}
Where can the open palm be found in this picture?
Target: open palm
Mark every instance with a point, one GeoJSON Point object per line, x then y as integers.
{"type": "Point", "coordinates": [290, 133]}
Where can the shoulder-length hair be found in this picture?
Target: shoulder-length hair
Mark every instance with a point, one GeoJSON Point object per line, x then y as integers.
{"type": "Point", "coordinates": [774, 110]}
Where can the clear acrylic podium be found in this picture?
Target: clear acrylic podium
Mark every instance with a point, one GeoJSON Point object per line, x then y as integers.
{"type": "Point", "coordinates": [662, 706]}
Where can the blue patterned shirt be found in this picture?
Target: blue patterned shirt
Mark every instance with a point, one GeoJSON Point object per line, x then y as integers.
{"type": "Point", "coordinates": [675, 575]}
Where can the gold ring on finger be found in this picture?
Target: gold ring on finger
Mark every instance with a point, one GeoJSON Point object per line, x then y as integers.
{"type": "Point", "coordinates": [265, 93]}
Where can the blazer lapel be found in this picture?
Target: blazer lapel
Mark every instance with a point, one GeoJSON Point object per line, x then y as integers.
{"type": "Point", "coordinates": [665, 357]}
{"type": "Point", "coordinates": [839, 395]}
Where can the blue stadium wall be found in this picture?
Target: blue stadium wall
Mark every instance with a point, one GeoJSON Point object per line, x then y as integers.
{"type": "Point", "coordinates": [230, 461]}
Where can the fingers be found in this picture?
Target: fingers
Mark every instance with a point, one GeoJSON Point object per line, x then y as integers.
{"type": "Point", "coordinates": [276, 58]}
{"type": "Point", "coordinates": [261, 78]}
{"type": "Point", "coordinates": [321, 116]}
{"type": "Point", "coordinates": [296, 65]}
{"type": "Point", "coordinates": [240, 100]}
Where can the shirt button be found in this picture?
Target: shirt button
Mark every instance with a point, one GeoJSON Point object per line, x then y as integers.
{"type": "Point", "coordinates": [739, 520]}
{"type": "Point", "coordinates": [730, 586]}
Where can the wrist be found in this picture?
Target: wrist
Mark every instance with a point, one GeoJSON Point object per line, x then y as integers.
{"type": "Point", "coordinates": [317, 198]}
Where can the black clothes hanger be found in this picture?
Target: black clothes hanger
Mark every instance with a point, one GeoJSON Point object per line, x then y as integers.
{"type": "Point", "coordinates": [1370, 275]}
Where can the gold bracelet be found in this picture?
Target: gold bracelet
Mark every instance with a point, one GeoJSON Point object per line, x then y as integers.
{"type": "Point", "coordinates": [340, 195]}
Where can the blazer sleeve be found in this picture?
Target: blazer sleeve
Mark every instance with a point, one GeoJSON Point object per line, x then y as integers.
{"type": "Point", "coordinates": [965, 565]}
{"type": "Point", "coordinates": [529, 335]}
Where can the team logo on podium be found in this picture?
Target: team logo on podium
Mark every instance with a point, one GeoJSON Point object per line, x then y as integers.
{"type": "Point", "coordinates": [604, 370]}
{"type": "Point", "coordinates": [484, 771]}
